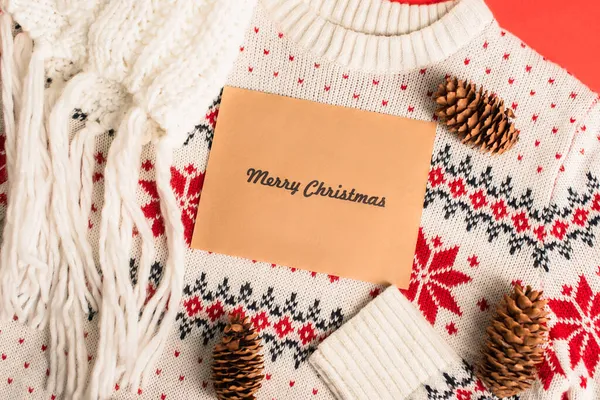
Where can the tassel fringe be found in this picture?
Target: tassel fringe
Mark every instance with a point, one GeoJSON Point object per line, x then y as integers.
{"type": "Point", "coordinates": [164, 304]}
{"type": "Point", "coordinates": [118, 343]}
{"type": "Point", "coordinates": [135, 326]}
{"type": "Point", "coordinates": [79, 282]}
{"type": "Point", "coordinates": [25, 269]}
{"type": "Point", "coordinates": [11, 88]}
{"type": "Point", "coordinates": [48, 274]}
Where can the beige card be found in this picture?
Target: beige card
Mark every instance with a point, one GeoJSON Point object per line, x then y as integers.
{"type": "Point", "coordinates": [314, 186]}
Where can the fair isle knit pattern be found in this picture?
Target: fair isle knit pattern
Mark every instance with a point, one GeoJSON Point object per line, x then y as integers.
{"type": "Point", "coordinates": [530, 216]}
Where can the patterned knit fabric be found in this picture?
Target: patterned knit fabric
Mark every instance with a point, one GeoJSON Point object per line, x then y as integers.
{"type": "Point", "coordinates": [387, 351]}
{"type": "Point", "coordinates": [529, 216]}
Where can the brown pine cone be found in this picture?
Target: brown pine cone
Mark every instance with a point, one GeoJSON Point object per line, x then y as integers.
{"type": "Point", "coordinates": [238, 363]}
{"type": "Point", "coordinates": [478, 118]}
{"type": "Point", "coordinates": [515, 345]}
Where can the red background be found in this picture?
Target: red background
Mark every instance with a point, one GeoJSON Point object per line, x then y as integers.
{"type": "Point", "coordinates": [566, 32]}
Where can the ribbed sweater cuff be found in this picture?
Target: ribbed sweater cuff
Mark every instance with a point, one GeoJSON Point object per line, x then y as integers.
{"type": "Point", "coordinates": [386, 351]}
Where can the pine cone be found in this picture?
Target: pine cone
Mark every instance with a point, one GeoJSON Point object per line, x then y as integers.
{"type": "Point", "coordinates": [478, 118]}
{"type": "Point", "coordinates": [515, 343]}
{"type": "Point", "coordinates": [238, 363]}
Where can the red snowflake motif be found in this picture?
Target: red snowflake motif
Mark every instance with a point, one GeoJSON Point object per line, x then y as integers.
{"type": "Point", "coordinates": [580, 217]}
{"type": "Point", "coordinates": [436, 177]}
{"type": "Point", "coordinates": [540, 232]}
{"type": "Point", "coordinates": [473, 261]}
{"type": "Point", "coordinates": [457, 187]}
{"type": "Point", "coordinates": [432, 279]}
{"type": "Point", "coordinates": [192, 306]}
{"type": "Point", "coordinates": [147, 165]}
{"type": "Point", "coordinates": [215, 311]}
{"type": "Point", "coordinates": [462, 394]}
{"type": "Point", "coordinates": [99, 157]}
{"type": "Point", "coordinates": [283, 327]}
{"type": "Point", "coordinates": [596, 202]}
{"type": "Point", "coordinates": [238, 312]}
{"type": "Point", "coordinates": [333, 278]}
{"type": "Point", "coordinates": [483, 304]}
{"type": "Point", "coordinates": [567, 290]}
{"type": "Point", "coordinates": [578, 322]}
{"type": "Point", "coordinates": [478, 199]}
{"type": "Point", "coordinates": [151, 210]}
{"type": "Point", "coordinates": [479, 387]}
{"type": "Point", "coordinates": [211, 117]}
{"type": "Point", "coordinates": [451, 328]}
{"type": "Point", "coordinates": [549, 367]}
{"type": "Point", "coordinates": [559, 229]}
{"type": "Point", "coordinates": [499, 209]}
{"type": "Point", "coordinates": [260, 321]}
{"type": "Point", "coordinates": [521, 222]}
{"type": "Point", "coordinates": [187, 185]}
{"type": "Point", "coordinates": [307, 333]}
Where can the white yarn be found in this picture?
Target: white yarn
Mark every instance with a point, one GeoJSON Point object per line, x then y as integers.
{"type": "Point", "coordinates": [57, 294]}
{"type": "Point", "coordinates": [10, 88]}
{"type": "Point", "coordinates": [172, 56]}
{"type": "Point", "coordinates": [119, 310]}
{"type": "Point", "coordinates": [71, 203]}
{"type": "Point", "coordinates": [48, 269]}
{"type": "Point", "coordinates": [8, 113]}
{"type": "Point", "coordinates": [25, 273]}
{"type": "Point", "coordinates": [23, 49]}
{"type": "Point", "coordinates": [174, 270]}
{"type": "Point", "coordinates": [387, 351]}
{"type": "Point", "coordinates": [65, 201]}
{"type": "Point", "coordinates": [81, 158]}
{"type": "Point", "coordinates": [47, 272]}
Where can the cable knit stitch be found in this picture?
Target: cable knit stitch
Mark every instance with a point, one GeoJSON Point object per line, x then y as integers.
{"type": "Point", "coordinates": [529, 215]}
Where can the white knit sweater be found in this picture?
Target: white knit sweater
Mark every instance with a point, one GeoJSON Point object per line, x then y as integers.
{"type": "Point", "coordinates": [530, 215]}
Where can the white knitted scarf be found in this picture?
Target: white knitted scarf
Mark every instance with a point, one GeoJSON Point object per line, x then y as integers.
{"type": "Point", "coordinates": [148, 67]}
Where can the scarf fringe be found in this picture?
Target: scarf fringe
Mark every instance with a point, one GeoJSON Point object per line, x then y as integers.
{"type": "Point", "coordinates": [48, 276]}
{"type": "Point", "coordinates": [25, 270]}
{"type": "Point", "coordinates": [69, 162]}
{"type": "Point", "coordinates": [78, 285]}
{"type": "Point", "coordinates": [133, 327]}
{"type": "Point", "coordinates": [11, 88]}
{"type": "Point", "coordinates": [23, 48]}
{"type": "Point", "coordinates": [8, 74]}
{"type": "Point", "coordinates": [174, 270]}
{"type": "Point", "coordinates": [118, 342]}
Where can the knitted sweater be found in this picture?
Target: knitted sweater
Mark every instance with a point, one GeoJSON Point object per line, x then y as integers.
{"type": "Point", "coordinates": [529, 216]}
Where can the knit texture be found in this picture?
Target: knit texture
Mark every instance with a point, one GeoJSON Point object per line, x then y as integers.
{"type": "Point", "coordinates": [529, 216]}
{"type": "Point", "coordinates": [140, 69]}
{"type": "Point", "coordinates": [387, 351]}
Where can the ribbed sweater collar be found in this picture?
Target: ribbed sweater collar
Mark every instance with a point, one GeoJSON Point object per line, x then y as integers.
{"type": "Point", "coordinates": [380, 36]}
